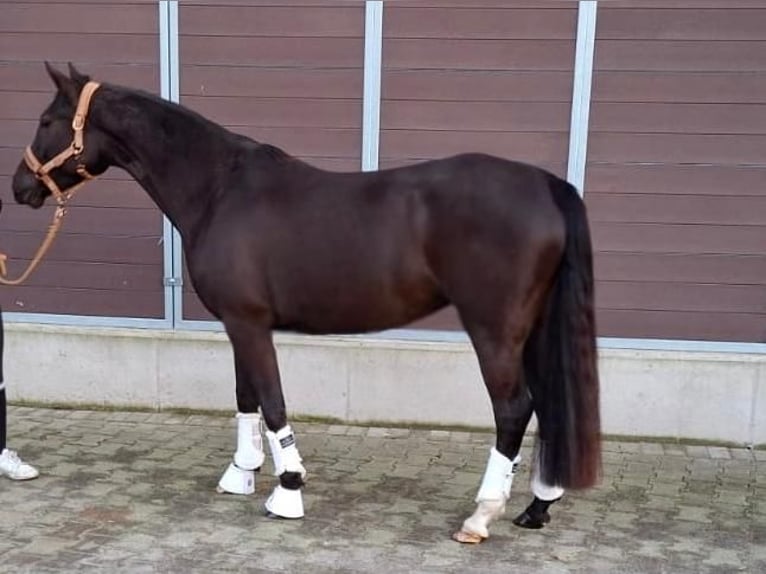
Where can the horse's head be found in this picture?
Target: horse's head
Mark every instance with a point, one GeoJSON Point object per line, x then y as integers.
{"type": "Point", "coordinates": [59, 158]}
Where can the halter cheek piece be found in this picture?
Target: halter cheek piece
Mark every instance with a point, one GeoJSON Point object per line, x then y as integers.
{"type": "Point", "coordinates": [42, 170]}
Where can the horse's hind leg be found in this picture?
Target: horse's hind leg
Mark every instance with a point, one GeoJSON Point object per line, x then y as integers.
{"type": "Point", "coordinates": [536, 514]}
{"type": "Point", "coordinates": [500, 361]}
{"type": "Point", "coordinates": [258, 382]}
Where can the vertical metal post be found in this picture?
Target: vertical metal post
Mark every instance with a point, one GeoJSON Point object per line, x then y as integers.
{"type": "Point", "coordinates": [169, 79]}
{"type": "Point", "coordinates": [581, 93]}
{"type": "Point", "coordinates": [373, 60]}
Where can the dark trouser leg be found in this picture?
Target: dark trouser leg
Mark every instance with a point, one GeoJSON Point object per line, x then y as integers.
{"type": "Point", "coordinates": [2, 420]}
{"type": "Point", "coordinates": [3, 407]}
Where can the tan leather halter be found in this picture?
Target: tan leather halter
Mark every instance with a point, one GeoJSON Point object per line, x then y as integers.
{"type": "Point", "coordinates": [42, 172]}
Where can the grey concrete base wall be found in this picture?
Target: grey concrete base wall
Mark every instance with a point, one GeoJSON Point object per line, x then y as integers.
{"type": "Point", "coordinates": [697, 395]}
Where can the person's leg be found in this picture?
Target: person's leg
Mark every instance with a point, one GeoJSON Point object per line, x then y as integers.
{"type": "Point", "coordinates": [10, 463]}
{"type": "Point", "coordinates": [3, 423]}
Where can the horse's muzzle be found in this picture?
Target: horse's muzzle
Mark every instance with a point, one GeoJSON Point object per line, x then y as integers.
{"type": "Point", "coordinates": [27, 189]}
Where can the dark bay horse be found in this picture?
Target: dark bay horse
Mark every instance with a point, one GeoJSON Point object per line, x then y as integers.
{"type": "Point", "coordinates": [272, 243]}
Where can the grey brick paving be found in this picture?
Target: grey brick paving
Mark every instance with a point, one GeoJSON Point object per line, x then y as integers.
{"type": "Point", "coordinates": [135, 492]}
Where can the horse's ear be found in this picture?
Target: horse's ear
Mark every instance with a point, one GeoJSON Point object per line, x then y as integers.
{"type": "Point", "coordinates": [64, 84]}
{"type": "Point", "coordinates": [77, 77]}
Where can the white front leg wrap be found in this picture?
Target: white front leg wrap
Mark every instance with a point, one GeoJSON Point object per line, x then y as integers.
{"type": "Point", "coordinates": [284, 452]}
{"type": "Point", "coordinates": [239, 477]}
{"type": "Point", "coordinates": [249, 454]}
{"type": "Point", "coordinates": [494, 492]}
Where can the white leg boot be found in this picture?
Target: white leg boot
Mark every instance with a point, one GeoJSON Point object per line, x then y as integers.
{"type": "Point", "coordinates": [494, 492]}
{"type": "Point", "coordinates": [285, 502]}
{"type": "Point", "coordinates": [544, 491]}
{"type": "Point", "coordinates": [239, 477]}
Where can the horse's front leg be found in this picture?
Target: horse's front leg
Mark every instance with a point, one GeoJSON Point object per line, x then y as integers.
{"type": "Point", "coordinates": [239, 477]}
{"type": "Point", "coordinates": [258, 382]}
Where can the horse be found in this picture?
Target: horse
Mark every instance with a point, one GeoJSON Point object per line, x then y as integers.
{"type": "Point", "coordinates": [273, 243]}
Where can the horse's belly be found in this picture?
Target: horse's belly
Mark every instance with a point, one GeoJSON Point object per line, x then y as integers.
{"type": "Point", "coordinates": [351, 308]}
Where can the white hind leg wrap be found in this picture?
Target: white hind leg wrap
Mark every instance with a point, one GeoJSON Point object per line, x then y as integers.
{"type": "Point", "coordinates": [540, 489]}
{"type": "Point", "coordinates": [494, 492]}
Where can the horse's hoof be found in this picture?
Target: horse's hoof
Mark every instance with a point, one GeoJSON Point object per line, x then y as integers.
{"type": "Point", "coordinates": [273, 516]}
{"type": "Point", "coordinates": [526, 520]}
{"type": "Point", "coordinates": [465, 537]}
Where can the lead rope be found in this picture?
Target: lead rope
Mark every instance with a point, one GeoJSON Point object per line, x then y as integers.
{"type": "Point", "coordinates": [53, 228]}
{"type": "Point", "coordinates": [41, 172]}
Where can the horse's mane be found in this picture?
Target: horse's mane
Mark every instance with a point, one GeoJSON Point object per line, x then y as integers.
{"type": "Point", "coordinates": [273, 152]}
{"type": "Point", "coordinates": [267, 150]}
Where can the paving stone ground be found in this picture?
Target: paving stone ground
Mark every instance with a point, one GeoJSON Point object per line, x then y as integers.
{"type": "Point", "coordinates": [135, 492]}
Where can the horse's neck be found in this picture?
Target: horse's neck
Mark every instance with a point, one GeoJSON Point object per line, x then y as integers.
{"type": "Point", "coordinates": [169, 151]}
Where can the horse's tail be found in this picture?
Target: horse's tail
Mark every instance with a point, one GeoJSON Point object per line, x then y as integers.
{"type": "Point", "coordinates": [561, 361]}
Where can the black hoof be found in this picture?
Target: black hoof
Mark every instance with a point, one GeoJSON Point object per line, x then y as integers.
{"type": "Point", "coordinates": [273, 516]}
{"type": "Point", "coordinates": [536, 515]}
{"type": "Point", "coordinates": [526, 520]}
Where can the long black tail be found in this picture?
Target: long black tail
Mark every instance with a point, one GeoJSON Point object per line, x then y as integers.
{"type": "Point", "coordinates": [561, 360]}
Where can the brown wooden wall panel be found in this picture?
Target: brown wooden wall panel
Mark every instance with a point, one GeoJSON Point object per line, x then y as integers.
{"type": "Point", "coordinates": [82, 48]}
{"type": "Point", "coordinates": [284, 73]}
{"type": "Point", "coordinates": [677, 296]}
{"type": "Point", "coordinates": [267, 51]}
{"type": "Point", "coordinates": [537, 148]}
{"type": "Point", "coordinates": [677, 148]}
{"type": "Point", "coordinates": [93, 275]}
{"type": "Point", "coordinates": [719, 118]}
{"type": "Point", "coordinates": [478, 116]}
{"type": "Point", "coordinates": [692, 56]}
{"type": "Point", "coordinates": [483, 23]}
{"type": "Point", "coordinates": [278, 112]}
{"type": "Point", "coordinates": [675, 4]}
{"type": "Point", "coordinates": [95, 221]}
{"type": "Point", "coordinates": [471, 4]}
{"type": "Point", "coordinates": [488, 55]}
{"type": "Point", "coordinates": [87, 302]}
{"type": "Point", "coordinates": [27, 76]}
{"type": "Point", "coordinates": [681, 24]}
{"type": "Point", "coordinates": [78, 247]}
{"type": "Point", "coordinates": [670, 179]}
{"type": "Point", "coordinates": [278, 21]}
{"type": "Point", "coordinates": [478, 86]}
{"type": "Point", "coordinates": [681, 267]}
{"type": "Point", "coordinates": [492, 77]}
{"type": "Point", "coordinates": [681, 209]}
{"type": "Point", "coordinates": [270, 82]}
{"type": "Point", "coordinates": [679, 325]}
{"type": "Point", "coordinates": [104, 192]}
{"type": "Point", "coordinates": [118, 18]}
{"type": "Point", "coordinates": [728, 240]}
{"type": "Point", "coordinates": [109, 248]}
{"type": "Point", "coordinates": [670, 87]}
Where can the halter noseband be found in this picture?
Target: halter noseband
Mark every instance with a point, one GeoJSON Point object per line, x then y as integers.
{"type": "Point", "coordinates": [42, 170]}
